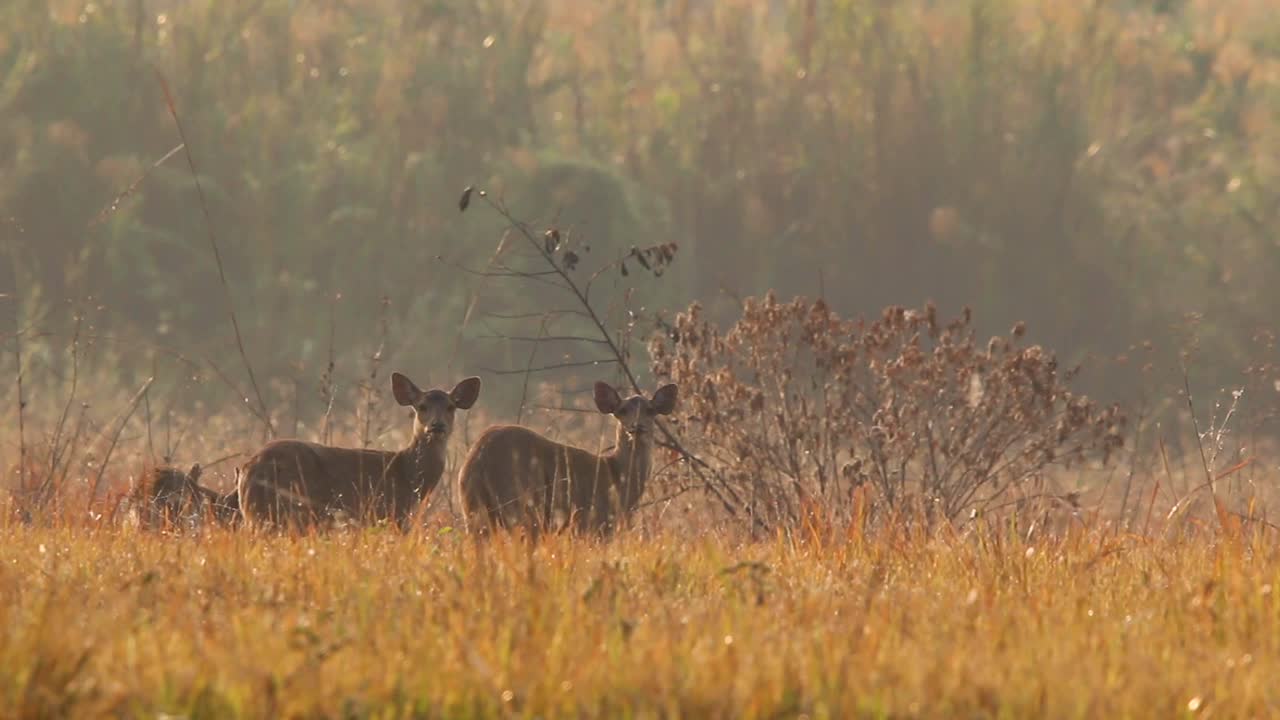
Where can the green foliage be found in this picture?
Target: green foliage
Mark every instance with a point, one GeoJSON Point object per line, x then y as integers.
{"type": "Point", "coordinates": [1096, 169]}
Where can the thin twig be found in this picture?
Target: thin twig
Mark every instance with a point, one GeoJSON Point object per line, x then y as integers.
{"type": "Point", "coordinates": [327, 388]}
{"type": "Point", "coordinates": [507, 272]}
{"type": "Point", "coordinates": [22, 414]}
{"type": "Point", "coordinates": [146, 399]}
{"type": "Point", "coordinates": [220, 460]}
{"type": "Point", "coordinates": [474, 301]}
{"type": "Point", "coordinates": [371, 393]}
{"type": "Point", "coordinates": [194, 364]}
{"type": "Point", "coordinates": [524, 388]}
{"type": "Point", "coordinates": [1133, 461]}
{"type": "Point", "coordinates": [547, 368]}
{"type": "Point", "coordinates": [115, 438]}
{"type": "Point", "coordinates": [133, 187]}
{"type": "Point", "coordinates": [169, 450]}
{"type": "Point", "coordinates": [583, 301]}
{"type": "Point", "coordinates": [545, 338]}
{"type": "Point", "coordinates": [530, 315]}
{"type": "Point", "coordinates": [563, 408]}
{"type": "Point", "coordinates": [666, 498]}
{"type": "Point", "coordinates": [569, 284]}
{"type": "Point", "coordinates": [1195, 426]}
{"type": "Point", "coordinates": [61, 482]}
{"type": "Point", "coordinates": [56, 447]}
{"type": "Point", "coordinates": [264, 414]}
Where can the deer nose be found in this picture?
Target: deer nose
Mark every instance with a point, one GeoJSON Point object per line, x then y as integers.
{"type": "Point", "coordinates": [437, 427]}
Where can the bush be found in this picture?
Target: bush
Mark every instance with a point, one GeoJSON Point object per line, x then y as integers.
{"type": "Point", "coordinates": [795, 405]}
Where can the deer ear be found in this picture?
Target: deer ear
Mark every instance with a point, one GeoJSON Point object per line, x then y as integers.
{"type": "Point", "coordinates": [664, 400]}
{"type": "Point", "coordinates": [194, 472]}
{"type": "Point", "coordinates": [464, 394]}
{"type": "Point", "coordinates": [405, 392]}
{"type": "Point", "coordinates": [607, 398]}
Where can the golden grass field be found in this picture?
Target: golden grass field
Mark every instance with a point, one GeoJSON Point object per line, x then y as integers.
{"type": "Point", "coordinates": [112, 623]}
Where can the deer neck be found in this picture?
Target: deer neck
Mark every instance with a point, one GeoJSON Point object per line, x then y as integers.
{"type": "Point", "coordinates": [631, 463]}
{"type": "Point", "coordinates": [421, 464]}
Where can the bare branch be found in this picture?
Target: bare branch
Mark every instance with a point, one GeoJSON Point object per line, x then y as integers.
{"type": "Point", "coordinates": [547, 338]}
{"type": "Point", "coordinates": [115, 438]}
{"type": "Point", "coordinates": [563, 408]}
{"type": "Point", "coordinates": [114, 205]}
{"type": "Point", "coordinates": [530, 315]}
{"type": "Point", "coordinates": [265, 414]}
{"type": "Point", "coordinates": [528, 367]}
{"type": "Point", "coordinates": [723, 493]}
{"type": "Point", "coordinates": [557, 366]}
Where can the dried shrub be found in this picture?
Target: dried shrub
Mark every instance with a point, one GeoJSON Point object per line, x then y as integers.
{"type": "Point", "coordinates": [794, 405]}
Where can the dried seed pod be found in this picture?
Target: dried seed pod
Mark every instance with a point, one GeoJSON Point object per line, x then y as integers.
{"type": "Point", "coordinates": [640, 257]}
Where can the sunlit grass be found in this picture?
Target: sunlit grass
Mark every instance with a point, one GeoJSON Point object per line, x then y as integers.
{"type": "Point", "coordinates": [379, 624]}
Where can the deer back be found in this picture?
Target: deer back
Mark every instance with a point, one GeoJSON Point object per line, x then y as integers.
{"type": "Point", "coordinates": [514, 476]}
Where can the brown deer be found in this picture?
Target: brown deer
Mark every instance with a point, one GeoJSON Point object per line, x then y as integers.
{"type": "Point", "coordinates": [167, 497]}
{"type": "Point", "coordinates": [515, 477]}
{"type": "Point", "coordinates": [298, 483]}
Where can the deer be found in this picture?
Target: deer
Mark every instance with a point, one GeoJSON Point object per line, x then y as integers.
{"type": "Point", "coordinates": [514, 477]}
{"type": "Point", "coordinates": [169, 497]}
{"type": "Point", "coordinates": [291, 482]}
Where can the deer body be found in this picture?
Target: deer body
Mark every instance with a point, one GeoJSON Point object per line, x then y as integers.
{"type": "Point", "coordinates": [169, 497]}
{"type": "Point", "coordinates": [225, 508]}
{"type": "Point", "coordinates": [294, 482]}
{"type": "Point", "coordinates": [515, 477]}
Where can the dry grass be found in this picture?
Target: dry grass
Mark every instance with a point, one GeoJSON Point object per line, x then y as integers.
{"type": "Point", "coordinates": [372, 624]}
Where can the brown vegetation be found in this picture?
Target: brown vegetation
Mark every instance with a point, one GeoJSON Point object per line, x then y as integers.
{"type": "Point", "coordinates": [298, 483]}
{"type": "Point", "coordinates": [796, 407]}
